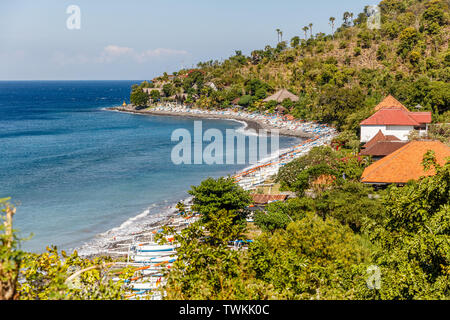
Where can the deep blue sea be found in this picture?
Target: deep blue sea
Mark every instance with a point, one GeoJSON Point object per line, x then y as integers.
{"type": "Point", "coordinates": [76, 171]}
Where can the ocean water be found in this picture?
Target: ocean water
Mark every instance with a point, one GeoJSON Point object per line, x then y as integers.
{"type": "Point", "coordinates": [77, 172]}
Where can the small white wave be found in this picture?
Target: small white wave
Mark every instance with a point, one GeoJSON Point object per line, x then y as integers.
{"type": "Point", "coordinates": [128, 229]}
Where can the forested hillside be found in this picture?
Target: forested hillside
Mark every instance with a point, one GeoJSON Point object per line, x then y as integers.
{"type": "Point", "coordinates": [339, 76]}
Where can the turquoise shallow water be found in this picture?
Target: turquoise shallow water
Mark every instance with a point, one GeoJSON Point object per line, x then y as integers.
{"type": "Point", "coordinates": [76, 170]}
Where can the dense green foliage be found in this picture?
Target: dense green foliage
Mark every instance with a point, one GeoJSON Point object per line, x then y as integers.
{"type": "Point", "coordinates": [139, 98]}
{"type": "Point", "coordinates": [311, 259]}
{"type": "Point", "coordinates": [325, 243]}
{"type": "Point", "coordinates": [213, 195]}
{"type": "Point", "coordinates": [413, 240]}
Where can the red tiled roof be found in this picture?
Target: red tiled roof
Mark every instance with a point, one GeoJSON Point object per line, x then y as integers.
{"type": "Point", "coordinates": [397, 116]}
{"type": "Point", "coordinates": [379, 137]}
{"type": "Point", "coordinates": [390, 102]}
{"type": "Point", "coordinates": [405, 163]}
{"type": "Point", "coordinates": [421, 117]}
{"type": "Point", "coordinates": [382, 148]}
{"type": "Point", "coordinates": [266, 198]}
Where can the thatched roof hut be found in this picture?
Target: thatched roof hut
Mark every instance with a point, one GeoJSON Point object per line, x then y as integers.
{"type": "Point", "coordinates": [281, 95]}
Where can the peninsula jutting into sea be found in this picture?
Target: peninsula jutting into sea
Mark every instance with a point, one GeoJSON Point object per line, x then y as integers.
{"type": "Point", "coordinates": [309, 162]}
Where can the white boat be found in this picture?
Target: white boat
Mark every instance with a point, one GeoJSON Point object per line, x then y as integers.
{"type": "Point", "coordinates": [155, 253]}
{"type": "Point", "coordinates": [139, 258]}
{"type": "Point", "coordinates": [154, 247]}
{"type": "Point", "coordinates": [145, 285]}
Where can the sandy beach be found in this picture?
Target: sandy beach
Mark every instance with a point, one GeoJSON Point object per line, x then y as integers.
{"type": "Point", "coordinates": [249, 178]}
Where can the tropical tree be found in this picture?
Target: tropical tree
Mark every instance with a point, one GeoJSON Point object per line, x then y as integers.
{"type": "Point", "coordinates": [305, 30]}
{"type": "Point", "coordinates": [155, 95]}
{"type": "Point", "coordinates": [310, 259]}
{"type": "Point", "coordinates": [295, 41]}
{"type": "Point", "coordinates": [213, 195]}
{"type": "Point", "coordinates": [332, 19]}
{"type": "Point", "coordinates": [310, 29]}
{"type": "Point", "coordinates": [139, 98]}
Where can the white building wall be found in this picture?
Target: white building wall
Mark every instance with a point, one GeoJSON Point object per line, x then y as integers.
{"type": "Point", "coordinates": [401, 132]}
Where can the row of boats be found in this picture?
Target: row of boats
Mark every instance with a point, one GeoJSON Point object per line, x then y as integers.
{"type": "Point", "coordinates": [151, 262]}
{"type": "Point", "coordinates": [258, 174]}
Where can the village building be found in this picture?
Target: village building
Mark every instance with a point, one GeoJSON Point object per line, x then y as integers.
{"type": "Point", "coordinates": [405, 163]}
{"type": "Point", "coordinates": [381, 145]}
{"type": "Point", "coordinates": [394, 119]}
{"type": "Point", "coordinates": [260, 201]}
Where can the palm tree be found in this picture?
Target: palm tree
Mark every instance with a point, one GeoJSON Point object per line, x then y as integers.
{"type": "Point", "coordinates": [278, 33]}
{"type": "Point", "coordinates": [310, 29]}
{"type": "Point", "coordinates": [305, 29]}
{"type": "Point", "coordinates": [332, 19]}
{"type": "Point", "coordinates": [281, 35]}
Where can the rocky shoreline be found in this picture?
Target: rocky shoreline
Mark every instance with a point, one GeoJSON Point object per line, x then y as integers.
{"type": "Point", "coordinates": [251, 124]}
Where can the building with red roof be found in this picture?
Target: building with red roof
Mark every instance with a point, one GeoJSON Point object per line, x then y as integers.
{"type": "Point", "coordinates": [405, 163]}
{"type": "Point", "coordinates": [390, 102]}
{"type": "Point", "coordinates": [395, 120]}
{"type": "Point", "coordinates": [381, 145]}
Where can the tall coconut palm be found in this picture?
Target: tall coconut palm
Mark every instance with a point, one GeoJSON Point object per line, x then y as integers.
{"type": "Point", "coordinates": [332, 19]}
{"type": "Point", "coordinates": [278, 34]}
{"type": "Point", "coordinates": [281, 35]}
{"type": "Point", "coordinates": [310, 29]}
{"type": "Point", "coordinates": [305, 29]}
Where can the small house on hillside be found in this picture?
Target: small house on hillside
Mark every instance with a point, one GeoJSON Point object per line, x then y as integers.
{"type": "Point", "coordinates": [392, 118]}
{"type": "Point", "coordinates": [259, 201]}
{"type": "Point", "coordinates": [405, 163]}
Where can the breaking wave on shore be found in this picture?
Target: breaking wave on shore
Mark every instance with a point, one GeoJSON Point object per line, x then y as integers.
{"type": "Point", "coordinates": [128, 230]}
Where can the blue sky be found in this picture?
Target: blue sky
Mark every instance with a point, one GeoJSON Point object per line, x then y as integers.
{"type": "Point", "coordinates": [140, 39]}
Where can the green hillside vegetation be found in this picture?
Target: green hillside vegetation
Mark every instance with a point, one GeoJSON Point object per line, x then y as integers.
{"type": "Point", "coordinates": [324, 244]}
{"type": "Point", "coordinates": [338, 77]}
